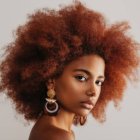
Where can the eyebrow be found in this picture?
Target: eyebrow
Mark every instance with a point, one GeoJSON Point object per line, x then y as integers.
{"type": "Point", "coordinates": [88, 73]}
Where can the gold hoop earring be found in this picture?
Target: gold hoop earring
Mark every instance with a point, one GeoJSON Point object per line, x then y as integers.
{"type": "Point", "coordinates": [83, 119]}
{"type": "Point", "coordinates": [79, 119]}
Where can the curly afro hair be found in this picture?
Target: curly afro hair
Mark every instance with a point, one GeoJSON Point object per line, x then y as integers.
{"type": "Point", "coordinates": [50, 40]}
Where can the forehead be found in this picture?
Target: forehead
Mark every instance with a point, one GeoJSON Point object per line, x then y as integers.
{"type": "Point", "coordinates": [93, 63]}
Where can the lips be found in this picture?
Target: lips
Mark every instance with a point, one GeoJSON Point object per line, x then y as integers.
{"type": "Point", "coordinates": [87, 104]}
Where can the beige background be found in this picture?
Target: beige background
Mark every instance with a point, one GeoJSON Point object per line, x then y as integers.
{"type": "Point", "coordinates": [120, 125]}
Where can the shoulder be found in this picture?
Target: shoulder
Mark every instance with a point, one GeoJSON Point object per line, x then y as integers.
{"type": "Point", "coordinates": [58, 134]}
{"type": "Point", "coordinates": [50, 133]}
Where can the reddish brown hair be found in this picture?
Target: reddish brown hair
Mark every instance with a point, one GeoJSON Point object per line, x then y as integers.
{"type": "Point", "coordinates": [51, 39]}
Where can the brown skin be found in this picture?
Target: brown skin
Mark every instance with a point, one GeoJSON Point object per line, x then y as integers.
{"type": "Point", "coordinates": [80, 81]}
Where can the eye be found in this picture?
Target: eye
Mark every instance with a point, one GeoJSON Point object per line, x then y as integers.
{"type": "Point", "coordinates": [81, 78]}
{"type": "Point", "coordinates": [99, 83]}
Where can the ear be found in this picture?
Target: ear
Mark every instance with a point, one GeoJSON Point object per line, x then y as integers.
{"type": "Point", "coordinates": [51, 83]}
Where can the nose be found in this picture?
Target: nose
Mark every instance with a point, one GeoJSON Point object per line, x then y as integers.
{"type": "Point", "coordinates": [91, 91]}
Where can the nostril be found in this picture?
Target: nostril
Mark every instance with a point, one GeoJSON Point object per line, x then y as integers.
{"type": "Point", "coordinates": [90, 93]}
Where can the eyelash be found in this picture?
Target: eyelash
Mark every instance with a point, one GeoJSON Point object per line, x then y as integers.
{"type": "Point", "coordinates": [98, 81]}
{"type": "Point", "coordinates": [77, 77]}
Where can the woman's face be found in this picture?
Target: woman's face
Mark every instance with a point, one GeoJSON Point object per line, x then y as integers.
{"type": "Point", "coordinates": [79, 86]}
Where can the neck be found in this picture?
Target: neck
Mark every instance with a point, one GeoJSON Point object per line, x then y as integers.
{"type": "Point", "coordinates": [62, 120]}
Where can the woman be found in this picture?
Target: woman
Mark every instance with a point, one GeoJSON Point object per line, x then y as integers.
{"type": "Point", "coordinates": [64, 65]}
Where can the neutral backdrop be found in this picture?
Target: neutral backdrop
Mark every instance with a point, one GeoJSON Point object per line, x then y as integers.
{"type": "Point", "coordinates": [120, 125]}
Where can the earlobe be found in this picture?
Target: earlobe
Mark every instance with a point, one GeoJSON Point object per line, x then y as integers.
{"type": "Point", "coordinates": [54, 82]}
{"type": "Point", "coordinates": [51, 83]}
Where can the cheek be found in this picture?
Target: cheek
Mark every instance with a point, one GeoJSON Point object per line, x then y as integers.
{"type": "Point", "coordinates": [98, 94]}
{"type": "Point", "coordinates": [69, 90]}
{"type": "Point", "coordinates": [99, 91]}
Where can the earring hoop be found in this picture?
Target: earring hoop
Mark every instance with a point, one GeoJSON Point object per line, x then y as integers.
{"type": "Point", "coordinates": [51, 106]}
{"type": "Point", "coordinates": [83, 120]}
{"type": "Point", "coordinates": [79, 120]}
{"type": "Point", "coordinates": [49, 110]}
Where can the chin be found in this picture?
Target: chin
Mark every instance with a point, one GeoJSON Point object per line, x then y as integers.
{"type": "Point", "coordinates": [83, 112]}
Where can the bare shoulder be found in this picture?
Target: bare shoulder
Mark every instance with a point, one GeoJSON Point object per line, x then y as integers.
{"type": "Point", "coordinates": [59, 134]}
{"type": "Point", "coordinates": [49, 133]}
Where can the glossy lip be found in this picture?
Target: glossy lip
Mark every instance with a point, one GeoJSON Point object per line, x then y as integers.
{"type": "Point", "coordinates": [88, 104]}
